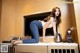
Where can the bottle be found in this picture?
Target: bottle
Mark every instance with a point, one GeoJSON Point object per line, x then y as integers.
{"type": "Point", "coordinates": [58, 38]}
{"type": "Point", "coordinates": [69, 35]}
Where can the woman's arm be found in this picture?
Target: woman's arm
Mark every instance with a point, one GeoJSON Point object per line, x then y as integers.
{"type": "Point", "coordinates": [44, 29]}
{"type": "Point", "coordinates": [54, 28]}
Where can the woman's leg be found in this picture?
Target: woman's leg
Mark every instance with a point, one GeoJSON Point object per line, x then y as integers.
{"type": "Point", "coordinates": [34, 26]}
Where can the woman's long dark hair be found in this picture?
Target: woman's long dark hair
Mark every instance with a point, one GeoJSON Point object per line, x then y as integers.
{"type": "Point", "coordinates": [58, 18]}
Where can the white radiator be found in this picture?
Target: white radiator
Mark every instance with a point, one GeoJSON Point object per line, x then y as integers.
{"type": "Point", "coordinates": [63, 51]}
{"type": "Point", "coordinates": [53, 47]}
{"type": "Point", "coordinates": [63, 48]}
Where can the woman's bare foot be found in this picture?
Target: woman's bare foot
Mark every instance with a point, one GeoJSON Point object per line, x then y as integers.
{"type": "Point", "coordinates": [15, 42]}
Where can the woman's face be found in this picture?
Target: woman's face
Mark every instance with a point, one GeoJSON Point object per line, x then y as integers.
{"type": "Point", "coordinates": [57, 12]}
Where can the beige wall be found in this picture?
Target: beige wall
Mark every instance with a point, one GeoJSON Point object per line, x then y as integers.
{"type": "Point", "coordinates": [8, 18]}
{"type": "Point", "coordinates": [14, 10]}
{"type": "Point", "coordinates": [73, 22]}
{"type": "Point", "coordinates": [29, 7]}
{"type": "Point", "coordinates": [77, 15]}
{"type": "Point", "coordinates": [0, 16]}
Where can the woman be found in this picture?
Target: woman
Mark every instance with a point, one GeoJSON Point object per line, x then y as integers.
{"type": "Point", "coordinates": [53, 20]}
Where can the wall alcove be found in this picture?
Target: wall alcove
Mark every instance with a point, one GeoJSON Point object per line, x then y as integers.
{"type": "Point", "coordinates": [38, 16]}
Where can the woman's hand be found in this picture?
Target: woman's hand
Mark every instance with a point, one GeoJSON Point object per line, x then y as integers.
{"type": "Point", "coordinates": [44, 39]}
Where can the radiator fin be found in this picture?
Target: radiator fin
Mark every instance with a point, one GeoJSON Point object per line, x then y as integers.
{"type": "Point", "coordinates": [62, 51]}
